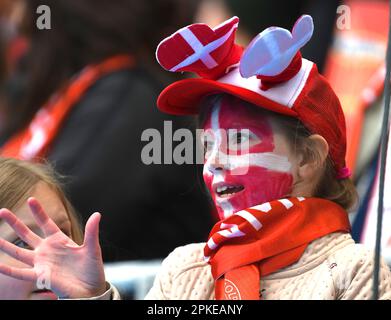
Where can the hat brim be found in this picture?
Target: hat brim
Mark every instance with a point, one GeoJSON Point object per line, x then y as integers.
{"type": "Point", "coordinates": [183, 97]}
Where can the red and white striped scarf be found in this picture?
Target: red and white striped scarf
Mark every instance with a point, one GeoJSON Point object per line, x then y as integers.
{"type": "Point", "coordinates": [262, 239]}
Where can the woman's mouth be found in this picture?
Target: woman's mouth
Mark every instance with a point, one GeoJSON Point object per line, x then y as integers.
{"type": "Point", "coordinates": [225, 191]}
{"type": "Point", "coordinates": [43, 295]}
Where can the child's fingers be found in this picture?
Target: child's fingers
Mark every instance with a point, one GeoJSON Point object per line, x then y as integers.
{"type": "Point", "coordinates": [23, 255]}
{"type": "Point", "coordinates": [20, 228]}
{"type": "Point", "coordinates": [18, 273]}
{"type": "Point", "coordinates": [91, 237]}
{"type": "Point", "coordinates": [44, 222]}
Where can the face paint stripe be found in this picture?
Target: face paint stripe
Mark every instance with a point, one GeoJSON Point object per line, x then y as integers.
{"type": "Point", "coordinates": [205, 171]}
{"type": "Point", "coordinates": [215, 117]}
{"type": "Point", "coordinates": [218, 177]}
{"type": "Point", "coordinates": [208, 166]}
{"type": "Point", "coordinates": [266, 160]}
{"type": "Point", "coordinates": [226, 206]}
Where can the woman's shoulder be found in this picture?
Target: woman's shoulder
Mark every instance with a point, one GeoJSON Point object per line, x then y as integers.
{"type": "Point", "coordinates": [354, 254]}
{"type": "Point", "coordinates": [346, 254]}
{"type": "Point", "coordinates": [339, 247]}
{"type": "Point", "coordinates": [178, 271]}
{"type": "Point", "coordinates": [186, 256]}
{"type": "Point", "coordinates": [352, 268]}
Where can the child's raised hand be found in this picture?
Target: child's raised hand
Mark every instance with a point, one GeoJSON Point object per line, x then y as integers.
{"type": "Point", "coordinates": [57, 263]}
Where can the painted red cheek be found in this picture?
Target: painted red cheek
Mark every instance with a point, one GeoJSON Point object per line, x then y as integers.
{"type": "Point", "coordinates": [260, 187]}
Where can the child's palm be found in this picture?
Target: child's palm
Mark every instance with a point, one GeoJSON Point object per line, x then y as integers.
{"type": "Point", "coordinates": [58, 263]}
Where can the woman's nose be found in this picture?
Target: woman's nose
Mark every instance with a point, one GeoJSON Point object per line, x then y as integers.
{"type": "Point", "coordinates": [214, 169]}
{"type": "Point", "coordinates": [216, 162]}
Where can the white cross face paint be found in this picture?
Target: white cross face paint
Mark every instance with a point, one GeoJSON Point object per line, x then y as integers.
{"type": "Point", "coordinates": [241, 167]}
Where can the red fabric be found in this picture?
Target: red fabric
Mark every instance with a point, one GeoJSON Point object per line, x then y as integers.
{"type": "Point", "coordinates": [293, 68]}
{"type": "Point", "coordinates": [319, 109]}
{"type": "Point", "coordinates": [176, 49]}
{"type": "Point", "coordinates": [183, 97]}
{"type": "Point", "coordinates": [239, 253]}
{"type": "Point", "coordinates": [231, 59]}
{"type": "Point", "coordinates": [34, 141]}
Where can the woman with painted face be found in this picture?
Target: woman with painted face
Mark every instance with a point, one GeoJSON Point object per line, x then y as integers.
{"type": "Point", "coordinates": [275, 140]}
{"type": "Point", "coordinates": [275, 144]}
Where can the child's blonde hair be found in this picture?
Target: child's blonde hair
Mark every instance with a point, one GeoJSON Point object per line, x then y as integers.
{"type": "Point", "coordinates": [18, 177]}
{"type": "Point", "coordinates": [341, 191]}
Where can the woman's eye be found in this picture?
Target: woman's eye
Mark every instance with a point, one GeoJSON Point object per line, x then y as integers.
{"type": "Point", "coordinates": [242, 139]}
{"type": "Point", "coordinates": [21, 244]}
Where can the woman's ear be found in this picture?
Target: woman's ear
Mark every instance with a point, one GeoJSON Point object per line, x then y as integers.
{"type": "Point", "coordinates": [313, 161]}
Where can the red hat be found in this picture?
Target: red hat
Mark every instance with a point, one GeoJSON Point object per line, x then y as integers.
{"type": "Point", "coordinates": [269, 73]}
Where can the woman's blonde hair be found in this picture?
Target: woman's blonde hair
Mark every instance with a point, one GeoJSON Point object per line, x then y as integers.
{"type": "Point", "coordinates": [340, 191]}
{"type": "Point", "coordinates": [18, 177]}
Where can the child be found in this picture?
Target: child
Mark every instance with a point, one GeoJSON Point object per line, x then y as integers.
{"type": "Point", "coordinates": [20, 180]}
{"type": "Point", "coordinates": [275, 168]}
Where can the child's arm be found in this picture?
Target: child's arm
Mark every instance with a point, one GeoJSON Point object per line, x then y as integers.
{"type": "Point", "coordinates": [56, 262]}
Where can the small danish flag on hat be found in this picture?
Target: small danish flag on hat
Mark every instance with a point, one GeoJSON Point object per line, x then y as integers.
{"type": "Point", "coordinates": [197, 48]}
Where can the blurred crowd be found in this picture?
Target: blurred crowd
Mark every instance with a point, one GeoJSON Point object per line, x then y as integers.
{"type": "Point", "coordinates": [96, 146]}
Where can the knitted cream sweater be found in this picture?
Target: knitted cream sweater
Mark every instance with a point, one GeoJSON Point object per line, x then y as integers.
{"type": "Point", "coordinates": [332, 267]}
